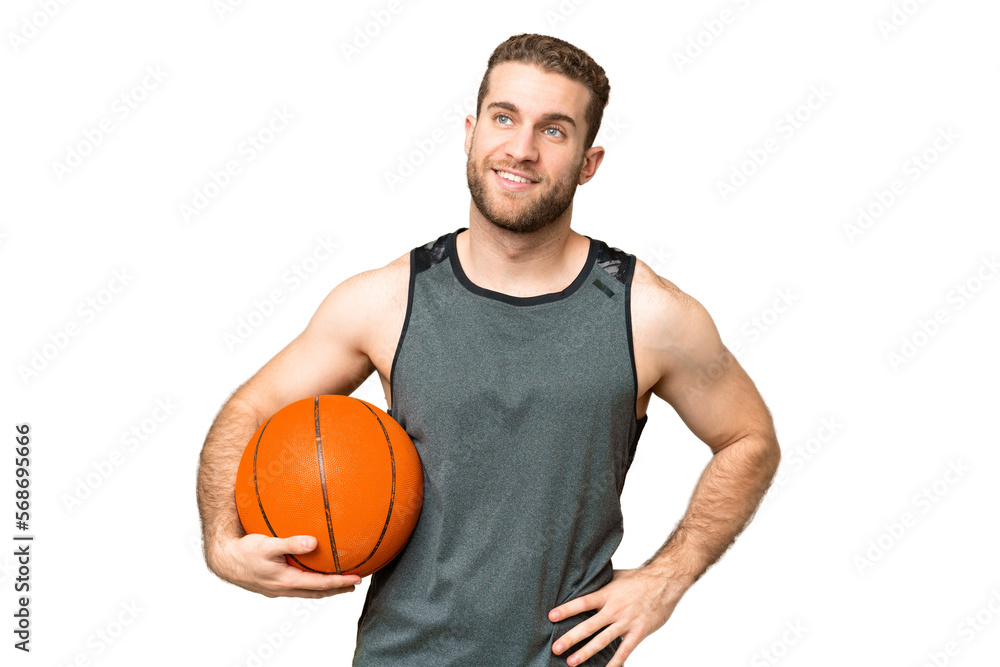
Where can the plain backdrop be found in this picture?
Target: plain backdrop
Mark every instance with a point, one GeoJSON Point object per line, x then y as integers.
{"type": "Point", "coordinates": [821, 176]}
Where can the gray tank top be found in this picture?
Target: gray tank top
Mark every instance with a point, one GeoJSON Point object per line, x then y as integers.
{"type": "Point", "coordinates": [523, 412]}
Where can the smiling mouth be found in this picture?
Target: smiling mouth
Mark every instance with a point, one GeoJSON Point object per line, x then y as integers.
{"type": "Point", "coordinates": [513, 178]}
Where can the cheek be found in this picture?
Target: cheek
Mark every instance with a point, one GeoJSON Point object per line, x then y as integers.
{"type": "Point", "coordinates": [485, 146]}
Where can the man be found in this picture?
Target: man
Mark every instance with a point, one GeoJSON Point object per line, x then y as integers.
{"type": "Point", "coordinates": [520, 356]}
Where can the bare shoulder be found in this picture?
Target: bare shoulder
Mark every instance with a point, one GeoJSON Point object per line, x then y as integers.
{"type": "Point", "coordinates": [671, 329]}
{"type": "Point", "coordinates": [660, 307]}
{"type": "Point", "coordinates": [365, 313]}
{"type": "Point", "coordinates": [369, 299]}
{"type": "Point", "coordinates": [382, 286]}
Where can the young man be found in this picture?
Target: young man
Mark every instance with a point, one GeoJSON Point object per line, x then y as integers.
{"type": "Point", "coordinates": [520, 356]}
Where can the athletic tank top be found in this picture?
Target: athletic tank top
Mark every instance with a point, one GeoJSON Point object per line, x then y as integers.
{"type": "Point", "coordinates": [523, 412]}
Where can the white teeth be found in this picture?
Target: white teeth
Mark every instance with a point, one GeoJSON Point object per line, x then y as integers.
{"type": "Point", "coordinates": [512, 177]}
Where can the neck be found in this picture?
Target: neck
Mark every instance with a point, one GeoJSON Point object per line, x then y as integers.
{"type": "Point", "coordinates": [521, 264]}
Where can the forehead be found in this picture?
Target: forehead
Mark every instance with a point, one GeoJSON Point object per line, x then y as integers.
{"type": "Point", "coordinates": [536, 92]}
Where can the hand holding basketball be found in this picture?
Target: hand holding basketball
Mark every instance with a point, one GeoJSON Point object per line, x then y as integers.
{"type": "Point", "coordinates": [339, 469]}
{"type": "Point", "coordinates": [328, 490]}
{"type": "Point", "coordinates": [257, 563]}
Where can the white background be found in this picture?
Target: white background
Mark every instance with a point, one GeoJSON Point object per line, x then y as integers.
{"type": "Point", "coordinates": [844, 549]}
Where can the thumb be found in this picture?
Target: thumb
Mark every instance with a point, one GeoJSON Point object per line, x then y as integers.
{"type": "Point", "coordinates": [298, 544]}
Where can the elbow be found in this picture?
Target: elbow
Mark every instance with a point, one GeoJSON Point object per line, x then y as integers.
{"type": "Point", "coordinates": [770, 454]}
{"type": "Point", "coordinates": [763, 449]}
{"type": "Point", "coordinates": [775, 449]}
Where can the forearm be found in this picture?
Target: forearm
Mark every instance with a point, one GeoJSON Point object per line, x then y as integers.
{"type": "Point", "coordinates": [723, 503]}
{"type": "Point", "coordinates": [220, 460]}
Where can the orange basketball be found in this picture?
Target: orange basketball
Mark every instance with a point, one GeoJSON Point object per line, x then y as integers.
{"type": "Point", "coordinates": [339, 469]}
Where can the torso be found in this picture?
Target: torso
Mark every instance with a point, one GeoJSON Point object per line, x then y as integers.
{"type": "Point", "coordinates": [650, 293]}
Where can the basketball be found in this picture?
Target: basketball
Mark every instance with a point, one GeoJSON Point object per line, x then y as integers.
{"type": "Point", "coordinates": [339, 469]}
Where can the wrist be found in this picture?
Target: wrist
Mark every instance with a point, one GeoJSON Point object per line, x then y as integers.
{"type": "Point", "coordinates": [671, 578]}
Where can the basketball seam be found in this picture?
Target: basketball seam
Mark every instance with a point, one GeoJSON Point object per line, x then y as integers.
{"type": "Point", "coordinates": [319, 449]}
{"type": "Point", "coordinates": [322, 481]}
{"type": "Point", "coordinates": [256, 488]}
{"type": "Point", "coordinates": [260, 503]}
{"type": "Point", "coordinates": [392, 493]}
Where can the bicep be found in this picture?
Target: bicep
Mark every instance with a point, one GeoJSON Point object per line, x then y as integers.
{"type": "Point", "coordinates": [328, 357]}
{"type": "Point", "coordinates": [704, 382]}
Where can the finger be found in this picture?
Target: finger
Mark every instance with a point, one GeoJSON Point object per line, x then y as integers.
{"type": "Point", "coordinates": [593, 646]}
{"type": "Point", "coordinates": [577, 634]}
{"type": "Point", "coordinates": [314, 581]}
{"type": "Point", "coordinates": [623, 652]}
{"type": "Point", "coordinates": [574, 607]}
{"type": "Point", "coordinates": [297, 544]}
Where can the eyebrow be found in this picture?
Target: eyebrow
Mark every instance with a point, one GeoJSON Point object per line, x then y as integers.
{"type": "Point", "coordinates": [546, 118]}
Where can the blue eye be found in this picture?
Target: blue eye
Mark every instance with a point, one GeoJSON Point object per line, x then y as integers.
{"type": "Point", "coordinates": [553, 128]}
{"type": "Point", "coordinates": [499, 116]}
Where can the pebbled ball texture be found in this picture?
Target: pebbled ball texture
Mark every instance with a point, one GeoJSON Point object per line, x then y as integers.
{"type": "Point", "coordinates": [337, 468]}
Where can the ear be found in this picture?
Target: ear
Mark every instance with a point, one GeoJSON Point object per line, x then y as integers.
{"type": "Point", "coordinates": [592, 159]}
{"type": "Point", "coordinates": [470, 128]}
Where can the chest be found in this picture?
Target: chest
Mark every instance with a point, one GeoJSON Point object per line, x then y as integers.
{"type": "Point", "coordinates": [501, 362]}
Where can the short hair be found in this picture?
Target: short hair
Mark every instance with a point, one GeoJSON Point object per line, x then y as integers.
{"type": "Point", "coordinates": [552, 54]}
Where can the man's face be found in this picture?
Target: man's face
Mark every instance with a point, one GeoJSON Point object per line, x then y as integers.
{"type": "Point", "coordinates": [531, 126]}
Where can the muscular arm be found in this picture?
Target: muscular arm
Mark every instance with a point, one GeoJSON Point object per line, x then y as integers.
{"type": "Point", "coordinates": [331, 356]}
{"type": "Point", "coordinates": [229, 433]}
{"type": "Point", "coordinates": [681, 359]}
{"type": "Point", "coordinates": [716, 399]}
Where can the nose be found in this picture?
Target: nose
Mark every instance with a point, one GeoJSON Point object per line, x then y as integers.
{"type": "Point", "coordinates": [521, 145]}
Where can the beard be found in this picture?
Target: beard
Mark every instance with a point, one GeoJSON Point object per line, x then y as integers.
{"type": "Point", "coordinates": [513, 210]}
